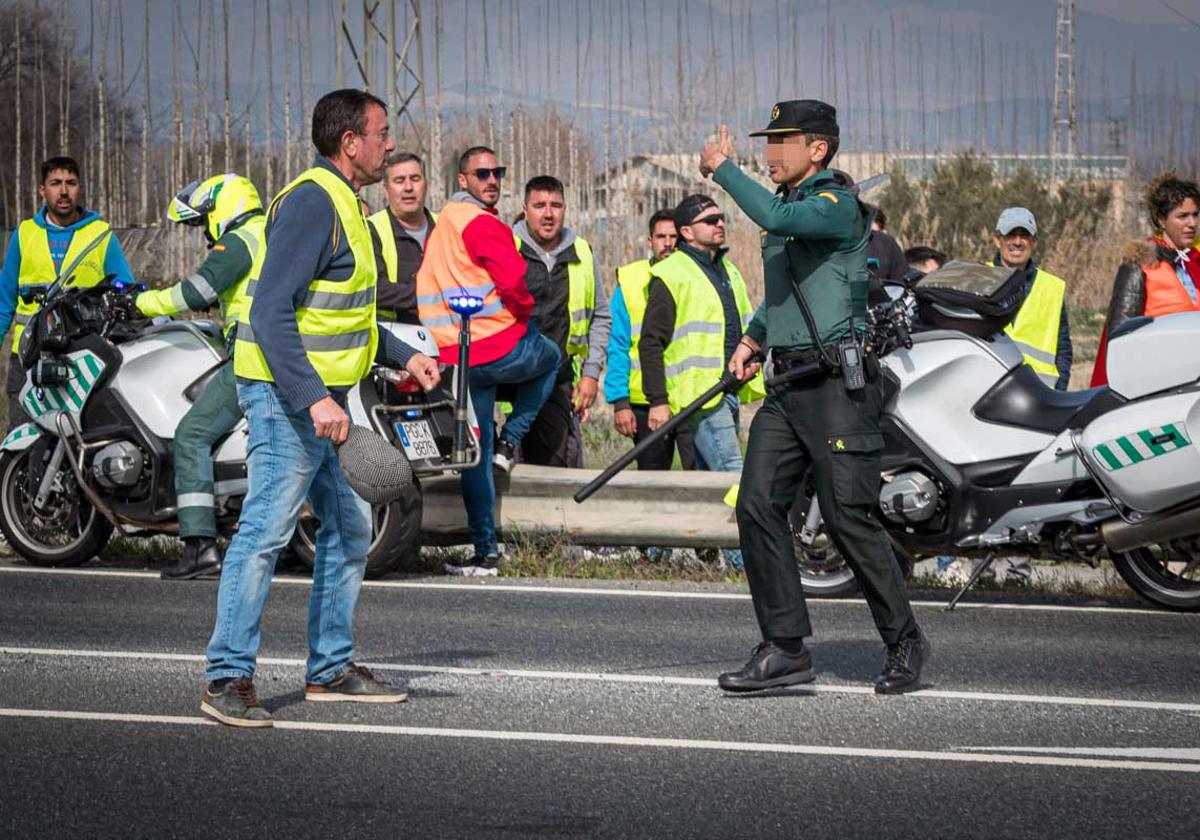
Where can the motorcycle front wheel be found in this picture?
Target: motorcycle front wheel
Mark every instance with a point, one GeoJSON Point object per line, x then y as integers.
{"type": "Point", "coordinates": [395, 540]}
{"type": "Point", "coordinates": [67, 531]}
{"type": "Point", "coordinates": [1165, 575]}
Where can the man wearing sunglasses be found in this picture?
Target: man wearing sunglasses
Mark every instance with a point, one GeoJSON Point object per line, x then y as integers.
{"type": "Point", "coordinates": [471, 250]}
{"type": "Point", "coordinates": [571, 309]}
{"type": "Point", "coordinates": [818, 423]}
{"type": "Point", "coordinates": [696, 309]}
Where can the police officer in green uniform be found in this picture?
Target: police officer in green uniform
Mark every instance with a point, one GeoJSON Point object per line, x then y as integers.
{"type": "Point", "coordinates": [227, 206]}
{"type": "Point", "coordinates": [815, 242]}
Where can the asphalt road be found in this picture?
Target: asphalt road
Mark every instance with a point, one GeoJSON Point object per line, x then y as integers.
{"type": "Point", "coordinates": [589, 711]}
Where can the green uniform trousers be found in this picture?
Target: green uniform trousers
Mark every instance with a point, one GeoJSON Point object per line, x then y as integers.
{"type": "Point", "coordinates": [213, 415]}
{"type": "Point", "coordinates": [816, 424]}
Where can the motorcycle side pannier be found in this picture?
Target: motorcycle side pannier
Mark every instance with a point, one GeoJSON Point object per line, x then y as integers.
{"type": "Point", "coordinates": [979, 300]}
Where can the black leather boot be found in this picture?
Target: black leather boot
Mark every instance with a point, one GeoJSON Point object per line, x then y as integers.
{"type": "Point", "coordinates": [201, 558]}
{"type": "Point", "coordinates": [902, 667]}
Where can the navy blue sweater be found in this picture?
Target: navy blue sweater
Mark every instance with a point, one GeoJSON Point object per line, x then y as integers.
{"type": "Point", "coordinates": [294, 258]}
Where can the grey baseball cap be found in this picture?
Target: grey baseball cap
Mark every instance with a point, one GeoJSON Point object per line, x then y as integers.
{"type": "Point", "coordinates": [1013, 218]}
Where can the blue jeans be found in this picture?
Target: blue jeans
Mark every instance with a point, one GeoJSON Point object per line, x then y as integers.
{"type": "Point", "coordinates": [287, 463]}
{"type": "Point", "coordinates": [532, 366]}
{"type": "Point", "coordinates": [715, 435]}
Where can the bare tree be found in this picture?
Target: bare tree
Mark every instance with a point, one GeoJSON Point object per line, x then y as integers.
{"type": "Point", "coordinates": [228, 134]}
{"type": "Point", "coordinates": [144, 181]}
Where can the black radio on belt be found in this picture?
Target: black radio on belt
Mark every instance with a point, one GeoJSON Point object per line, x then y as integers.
{"type": "Point", "coordinates": [850, 360]}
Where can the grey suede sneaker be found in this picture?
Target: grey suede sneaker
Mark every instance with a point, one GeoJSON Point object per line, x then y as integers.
{"type": "Point", "coordinates": [235, 704]}
{"type": "Point", "coordinates": [356, 684]}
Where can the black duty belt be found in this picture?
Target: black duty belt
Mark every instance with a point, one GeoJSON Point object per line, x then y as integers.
{"type": "Point", "coordinates": [783, 361]}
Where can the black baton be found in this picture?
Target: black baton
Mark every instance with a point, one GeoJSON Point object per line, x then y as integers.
{"type": "Point", "coordinates": [728, 383]}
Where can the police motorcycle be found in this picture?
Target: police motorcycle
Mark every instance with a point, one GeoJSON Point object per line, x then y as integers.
{"type": "Point", "coordinates": [981, 458]}
{"type": "Point", "coordinates": [106, 391]}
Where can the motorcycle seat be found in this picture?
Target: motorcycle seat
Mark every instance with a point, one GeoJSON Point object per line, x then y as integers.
{"type": "Point", "coordinates": [1021, 399]}
{"type": "Point", "coordinates": [192, 392]}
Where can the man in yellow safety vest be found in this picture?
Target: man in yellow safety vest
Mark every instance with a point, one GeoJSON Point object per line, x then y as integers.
{"type": "Point", "coordinates": [571, 309]}
{"type": "Point", "coordinates": [1040, 328]}
{"type": "Point", "coordinates": [306, 334]}
{"type": "Point", "coordinates": [61, 235]}
{"type": "Point", "coordinates": [623, 377]}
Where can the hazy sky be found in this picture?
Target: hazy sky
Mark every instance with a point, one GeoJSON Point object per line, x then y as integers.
{"type": "Point", "coordinates": [730, 55]}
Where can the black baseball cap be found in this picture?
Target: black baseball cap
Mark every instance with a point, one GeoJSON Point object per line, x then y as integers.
{"type": "Point", "coordinates": [691, 207]}
{"type": "Point", "coordinates": [811, 116]}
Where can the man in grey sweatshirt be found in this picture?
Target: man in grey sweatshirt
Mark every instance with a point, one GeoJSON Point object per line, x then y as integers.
{"type": "Point", "coordinates": [571, 309]}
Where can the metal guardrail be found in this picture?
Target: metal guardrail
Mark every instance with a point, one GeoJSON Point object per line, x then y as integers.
{"type": "Point", "coordinates": [671, 508]}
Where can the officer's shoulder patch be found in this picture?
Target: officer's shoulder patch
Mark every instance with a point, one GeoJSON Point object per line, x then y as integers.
{"type": "Point", "coordinates": [828, 195]}
{"type": "Point", "coordinates": [218, 247]}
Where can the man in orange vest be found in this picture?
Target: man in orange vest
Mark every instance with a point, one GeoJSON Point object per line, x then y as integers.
{"type": "Point", "coordinates": [471, 250]}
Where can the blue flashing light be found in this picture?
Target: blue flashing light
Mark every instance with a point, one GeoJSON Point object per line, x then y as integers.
{"type": "Point", "coordinates": [464, 305]}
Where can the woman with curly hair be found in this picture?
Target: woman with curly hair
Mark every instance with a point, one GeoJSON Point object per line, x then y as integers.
{"type": "Point", "coordinates": [1159, 275]}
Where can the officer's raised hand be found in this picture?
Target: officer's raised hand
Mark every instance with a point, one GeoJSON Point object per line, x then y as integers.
{"type": "Point", "coordinates": [330, 420]}
{"type": "Point", "coordinates": [714, 154]}
{"type": "Point", "coordinates": [424, 370]}
{"type": "Point", "coordinates": [744, 363]}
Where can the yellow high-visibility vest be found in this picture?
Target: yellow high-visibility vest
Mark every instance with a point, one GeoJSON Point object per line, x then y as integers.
{"type": "Point", "coordinates": [634, 282]}
{"type": "Point", "coordinates": [37, 266]}
{"type": "Point", "coordinates": [336, 320]}
{"type": "Point", "coordinates": [1035, 329]}
{"type": "Point", "coordinates": [695, 358]}
{"type": "Point", "coordinates": [170, 301]}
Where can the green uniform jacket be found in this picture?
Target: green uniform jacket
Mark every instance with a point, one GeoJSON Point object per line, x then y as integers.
{"type": "Point", "coordinates": [818, 233]}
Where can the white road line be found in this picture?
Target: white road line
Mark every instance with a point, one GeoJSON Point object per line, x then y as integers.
{"type": "Point", "coordinates": [521, 589]}
{"type": "Point", "coordinates": [634, 741]}
{"type": "Point", "coordinates": [643, 679]}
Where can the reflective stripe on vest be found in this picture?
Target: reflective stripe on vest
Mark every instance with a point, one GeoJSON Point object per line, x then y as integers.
{"type": "Point", "coordinates": [37, 266]}
{"type": "Point", "coordinates": [336, 319]}
{"type": "Point", "coordinates": [581, 298]}
{"type": "Point", "coordinates": [1035, 330]}
{"type": "Point", "coordinates": [448, 268]}
{"type": "Point", "coordinates": [634, 282]}
{"type": "Point", "coordinates": [695, 358]}
{"type": "Point", "coordinates": [1165, 294]}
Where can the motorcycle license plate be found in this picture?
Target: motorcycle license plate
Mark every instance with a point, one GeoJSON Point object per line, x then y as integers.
{"type": "Point", "coordinates": [417, 439]}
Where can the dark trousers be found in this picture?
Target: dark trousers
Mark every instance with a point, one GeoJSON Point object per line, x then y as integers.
{"type": "Point", "coordinates": [16, 381]}
{"type": "Point", "coordinates": [555, 439]}
{"type": "Point", "coordinates": [214, 414]}
{"type": "Point", "coordinates": [817, 425]}
{"type": "Point", "coordinates": [661, 455]}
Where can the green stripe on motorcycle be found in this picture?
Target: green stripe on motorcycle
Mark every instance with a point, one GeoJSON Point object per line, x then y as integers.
{"type": "Point", "coordinates": [1105, 455]}
{"type": "Point", "coordinates": [1128, 448]}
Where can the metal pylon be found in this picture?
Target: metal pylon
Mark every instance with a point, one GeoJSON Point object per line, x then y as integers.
{"type": "Point", "coordinates": [1063, 148]}
{"type": "Point", "coordinates": [403, 80]}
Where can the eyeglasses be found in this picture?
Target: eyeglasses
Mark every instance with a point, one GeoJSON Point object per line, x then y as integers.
{"type": "Point", "coordinates": [483, 173]}
{"type": "Point", "coordinates": [713, 219]}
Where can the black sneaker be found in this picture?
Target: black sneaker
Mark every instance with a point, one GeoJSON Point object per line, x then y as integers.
{"type": "Point", "coordinates": [504, 457]}
{"type": "Point", "coordinates": [356, 684]}
{"type": "Point", "coordinates": [474, 566]}
{"type": "Point", "coordinates": [770, 666]}
{"type": "Point", "coordinates": [201, 558]}
{"type": "Point", "coordinates": [902, 668]}
{"type": "Point", "coordinates": [235, 703]}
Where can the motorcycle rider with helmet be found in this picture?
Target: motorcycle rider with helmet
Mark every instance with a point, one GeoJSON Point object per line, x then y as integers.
{"type": "Point", "coordinates": [228, 209]}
